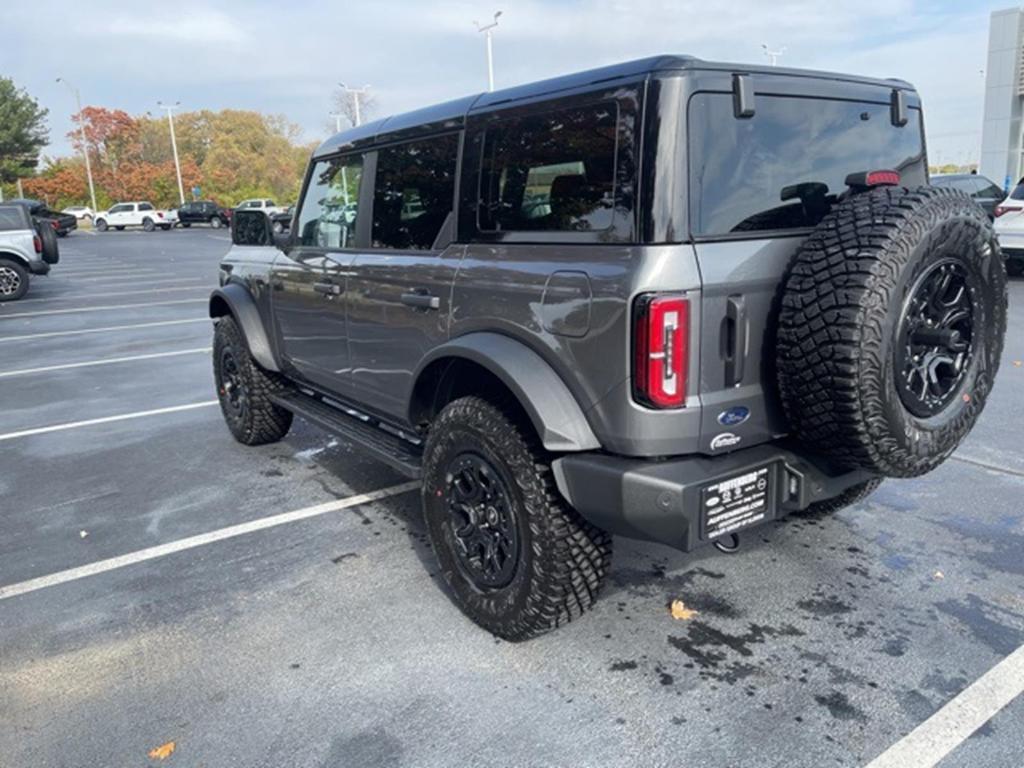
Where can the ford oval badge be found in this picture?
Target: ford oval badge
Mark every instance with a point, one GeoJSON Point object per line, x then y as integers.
{"type": "Point", "coordinates": [734, 416]}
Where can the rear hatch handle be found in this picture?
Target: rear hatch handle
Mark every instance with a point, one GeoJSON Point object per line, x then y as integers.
{"type": "Point", "coordinates": [736, 337]}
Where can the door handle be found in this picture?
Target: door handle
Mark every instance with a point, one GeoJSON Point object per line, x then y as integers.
{"type": "Point", "coordinates": [421, 300]}
{"type": "Point", "coordinates": [736, 348]}
{"type": "Point", "coordinates": [327, 289]}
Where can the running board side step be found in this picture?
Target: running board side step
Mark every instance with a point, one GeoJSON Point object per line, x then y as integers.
{"type": "Point", "coordinates": [400, 453]}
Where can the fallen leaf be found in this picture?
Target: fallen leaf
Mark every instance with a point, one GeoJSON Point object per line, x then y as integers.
{"type": "Point", "coordinates": [681, 612]}
{"type": "Point", "coordinates": [162, 752]}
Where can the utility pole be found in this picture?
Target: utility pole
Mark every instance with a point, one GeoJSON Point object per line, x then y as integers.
{"type": "Point", "coordinates": [85, 146]}
{"type": "Point", "coordinates": [486, 29]}
{"type": "Point", "coordinates": [773, 56]}
{"type": "Point", "coordinates": [356, 93]}
{"type": "Point", "coordinates": [174, 144]}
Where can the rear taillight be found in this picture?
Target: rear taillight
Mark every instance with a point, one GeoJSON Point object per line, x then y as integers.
{"type": "Point", "coordinates": [660, 342]}
{"type": "Point", "coordinates": [37, 243]}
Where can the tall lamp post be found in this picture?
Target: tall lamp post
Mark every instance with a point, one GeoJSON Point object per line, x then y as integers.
{"type": "Point", "coordinates": [486, 29]}
{"type": "Point", "coordinates": [174, 144]}
{"type": "Point", "coordinates": [356, 93]}
{"type": "Point", "coordinates": [773, 56]}
{"type": "Point", "coordinates": [85, 147]}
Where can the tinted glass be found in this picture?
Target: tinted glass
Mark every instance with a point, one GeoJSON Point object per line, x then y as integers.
{"type": "Point", "coordinates": [990, 190]}
{"type": "Point", "coordinates": [327, 218]}
{"type": "Point", "coordinates": [145, 207]}
{"type": "Point", "coordinates": [12, 218]}
{"type": "Point", "coordinates": [1018, 192]}
{"type": "Point", "coordinates": [784, 167]}
{"type": "Point", "coordinates": [554, 171]}
{"type": "Point", "coordinates": [414, 191]}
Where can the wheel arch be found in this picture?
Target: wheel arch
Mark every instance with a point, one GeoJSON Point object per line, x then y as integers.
{"type": "Point", "coordinates": [466, 364]}
{"type": "Point", "coordinates": [234, 300]}
{"type": "Point", "coordinates": [15, 256]}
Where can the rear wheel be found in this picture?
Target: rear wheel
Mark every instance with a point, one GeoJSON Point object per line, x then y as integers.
{"type": "Point", "coordinates": [148, 225]}
{"type": "Point", "coordinates": [215, 222]}
{"type": "Point", "coordinates": [244, 389]}
{"type": "Point", "coordinates": [518, 560]}
{"type": "Point", "coordinates": [13, 280]}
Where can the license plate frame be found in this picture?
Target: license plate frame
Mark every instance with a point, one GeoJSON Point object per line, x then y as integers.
{"type": "Point", "coordinates": [737, 502]}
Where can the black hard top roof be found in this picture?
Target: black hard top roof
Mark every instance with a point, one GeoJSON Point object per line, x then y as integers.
{"type": "Point", "coordinates": [453, 113]}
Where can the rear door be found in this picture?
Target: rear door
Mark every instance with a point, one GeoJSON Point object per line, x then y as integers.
{"type": "Point", "coordinates": [400, 287]}
{"type": "Point", "coordinates": [309, 281]}
{"type": "Point", "coordinates": [758, 185]}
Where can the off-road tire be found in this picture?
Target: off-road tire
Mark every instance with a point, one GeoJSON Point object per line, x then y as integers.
{"type": "Point", "coordinates": [148, 225]}
{"type": "Point", "coordinates": [562, 559]}
{"type": "Point", "coordinates": [841, 309]}
{"type": "Point", "coordinates": [261, 421]}
{"type": "Point", "coordinates": [13, 272]}
{"type": "Point", "coordinates": [48, 238]}
{"type": "Point", "coordinates": [101, 225]}
{"type": "Point", "coordinates": [852, 495]}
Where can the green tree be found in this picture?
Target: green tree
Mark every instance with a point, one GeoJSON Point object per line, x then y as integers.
{"type": "Point", "coordinates": [23, 132]}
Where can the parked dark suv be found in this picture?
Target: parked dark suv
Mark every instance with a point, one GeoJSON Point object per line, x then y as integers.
{"type": "Point", "coordinates": [669, 300]}
{"type": "Point", "coordinates": [203, 212]}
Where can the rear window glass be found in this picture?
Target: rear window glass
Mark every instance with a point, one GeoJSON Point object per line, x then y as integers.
{"type": "Point", "coordinates": [784, 167]}
{"type": "Point", "coordinates": [554, 171]}
{"type": "Point", "coordinates": [1018, 192]}
{"type": "Point", "coordinates": [12, 218]}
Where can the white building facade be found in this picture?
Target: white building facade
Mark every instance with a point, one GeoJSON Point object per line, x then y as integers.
{"type": "Point", "coordinates": [1002, 131]}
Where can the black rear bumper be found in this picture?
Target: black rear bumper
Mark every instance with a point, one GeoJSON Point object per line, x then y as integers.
{"type": "Point", "coordinates": [661, 501]}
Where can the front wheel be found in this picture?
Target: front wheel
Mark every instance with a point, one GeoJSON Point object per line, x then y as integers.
{"type": "Point", "coordinates": [101, 225]}
{"type": "Point", "coordinates": [244, 389]}
{"type": "Point", "coordinates": [518, 560]}
{"type": "Point", "coordinates": [13, 280]}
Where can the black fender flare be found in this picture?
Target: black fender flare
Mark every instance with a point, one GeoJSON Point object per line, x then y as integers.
{"type": "Point", "coordinates": [554, 411]}
{"type": "Point", "coordinates": [235, 300]}
{"type": "Point", "coordinates": [20, 258]}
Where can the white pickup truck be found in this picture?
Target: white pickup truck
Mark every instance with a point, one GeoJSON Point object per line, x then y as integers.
{"type": "Point", "coordinates": [269, 207]}
{"type": "Point", "coordinates": [136, 214]}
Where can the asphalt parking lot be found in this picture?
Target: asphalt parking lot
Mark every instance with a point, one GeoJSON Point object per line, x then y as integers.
{"type": "Point", "coordinates": [325, 640]}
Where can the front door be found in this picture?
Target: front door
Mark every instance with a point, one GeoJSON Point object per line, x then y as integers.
{"type": "Point", "coordinates": [309, 281]}
{"type": "Point", "coordinates": [399, 290]}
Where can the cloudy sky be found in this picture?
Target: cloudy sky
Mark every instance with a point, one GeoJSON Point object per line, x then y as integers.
{"type": "Point", "coordinates": [286, 56]}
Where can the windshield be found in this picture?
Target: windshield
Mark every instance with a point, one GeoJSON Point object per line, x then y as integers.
{"type": "Point", "coordinates": [784, 167]}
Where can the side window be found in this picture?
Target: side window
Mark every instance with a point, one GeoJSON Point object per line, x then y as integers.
{"type": "Point", "coordinates": [327, 218]}
{"type": "Point", "coordinates": [414, 192]}
{"type": "Point", "coordinates": [270, 203]}
{"type": "Point", "coordinates": [145, 207]}
{"type": "Point", "coordinates": [554, 171]}
{"type": "Point", "coordinates": [11, 218]}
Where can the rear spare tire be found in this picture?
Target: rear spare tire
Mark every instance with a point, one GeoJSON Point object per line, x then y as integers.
{"type": "Point", "coordinates": [48, 238]}
{"type": "Point", "coordinates": [891, 329]}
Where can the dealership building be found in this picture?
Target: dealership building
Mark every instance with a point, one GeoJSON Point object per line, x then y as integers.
{"type": "Point", "coordinates": [1002, 132]}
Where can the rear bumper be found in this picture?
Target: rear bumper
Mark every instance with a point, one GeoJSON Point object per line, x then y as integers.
{"type": "Point", "coordinates": [661, 501]}
{"type": "Point", "coordinates": [38, 267]}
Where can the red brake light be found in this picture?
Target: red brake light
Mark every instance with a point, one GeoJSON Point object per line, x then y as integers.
{"type": "Point", "coordinates": [37, 243]}
{"type": "Point", "coordinates": [883, 178]}
{"type": "Point", "coordinates": [661, 330]}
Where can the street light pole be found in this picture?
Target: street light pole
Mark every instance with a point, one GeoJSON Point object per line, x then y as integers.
{"type": "Point", "coordinates": [356, 93]}
{"type": "Point", "coordinates": [773, 56]}
{"type": "Point", "coordinates": [85, 147]}
{"type": "Point", "coordinates": [174, 144]}
{"type": "Point", "coordinates": [486, 29]}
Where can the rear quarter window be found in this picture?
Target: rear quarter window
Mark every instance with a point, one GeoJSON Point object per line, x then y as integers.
{"type": "Point", "coordinates": [12, 219]}
{"type": "Point", "coordinates": [783, 168]}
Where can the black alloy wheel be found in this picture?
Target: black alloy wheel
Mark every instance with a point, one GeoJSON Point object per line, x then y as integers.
{"type": "Point", "coordinates": [483, 523]}
{"type": "Point", "coordinates": [935, 337]}
{"type": "Point", "coordinates": [232, 389]}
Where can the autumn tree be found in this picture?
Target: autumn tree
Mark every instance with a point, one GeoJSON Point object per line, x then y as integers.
{"type": "Point", "coordinates": [23, 132]}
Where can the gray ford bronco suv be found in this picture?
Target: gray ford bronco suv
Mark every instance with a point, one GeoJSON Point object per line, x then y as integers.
{"type": "Point", "coordinates": [668, 300]}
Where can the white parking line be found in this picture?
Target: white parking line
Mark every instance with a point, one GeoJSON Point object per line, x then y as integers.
{"type": "Point", "coordinates": [101, 330]}
{"type": "Point", "coordinates": [945, 730]}
{"type": "Point", "coordinates": [105, 420]}
{"type": "Point", "coordinates": [107, 361]}
{"type": "Point", "coordinates": [85, 296]}
{"type": "Point", "coordinates": [104, 308]}
{"type": "Point", "coordinates": [150, 553]}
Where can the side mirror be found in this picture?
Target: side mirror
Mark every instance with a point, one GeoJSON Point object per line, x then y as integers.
{"type": "Point", "coordinates": [251, 228]}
